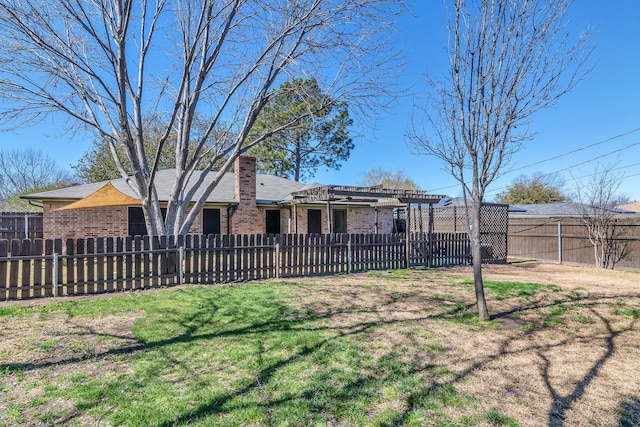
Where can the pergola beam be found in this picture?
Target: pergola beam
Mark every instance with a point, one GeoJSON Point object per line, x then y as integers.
{"type": "Point", "coordinates": [363, 194]}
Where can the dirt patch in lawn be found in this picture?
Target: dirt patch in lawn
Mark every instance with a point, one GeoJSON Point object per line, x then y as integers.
{"type": "Point", "coordinates": [564, 355]}
{"type": "Point", "coordinates": [51, 348]}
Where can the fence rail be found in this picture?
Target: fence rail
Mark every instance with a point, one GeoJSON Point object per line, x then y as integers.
{"type": "Point", "coordinates": [43, 268]}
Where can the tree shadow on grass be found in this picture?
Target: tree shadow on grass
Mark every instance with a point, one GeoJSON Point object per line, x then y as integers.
{"type": "Point", "coordinates": [563, 402]}
{"type": "Point", "coordinates": [284, 320]}
{"type": "Point", "coordinates": [326, 397]}
{"type": "Point", "coordinates": [436, 393]}
{"type": "Point", "coordinates": [629, 413]}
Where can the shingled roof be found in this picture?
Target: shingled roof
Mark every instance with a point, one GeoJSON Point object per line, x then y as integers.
{"type": "Point", "coordinates": [560, 209]}
{"type": "Point", "coordinates": [634, 207]}
{"type": "Point", "coordinates": [269, 189]}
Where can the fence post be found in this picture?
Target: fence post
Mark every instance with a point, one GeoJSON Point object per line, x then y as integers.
{"type": "Point", "coordinates": [181, 265]}
{"type": "Point", "coordinates": [559, 242]}
{"type": "Point", "coordinates": [55, 274]}
{"type": "Point", "coordinates": [26, 225]}
{"type": "Point", "coordinates": [407, 245]}
{"type": "Point", "coordinates": [277, 260]}
{"type": "Point", "coordinates": [349, 255]}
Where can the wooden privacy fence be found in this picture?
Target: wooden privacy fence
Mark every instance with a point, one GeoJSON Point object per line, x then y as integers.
{"type": "Point", "coordinates": [42, 268]}
{"type": "Point", "coordinates": [21, 225]}
{"type": "Point", "coordinates": [565, 240]}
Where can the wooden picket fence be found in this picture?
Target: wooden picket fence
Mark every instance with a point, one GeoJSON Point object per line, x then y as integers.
{"type": "Point", "coordinates": [440, 249]}
{"type": "Point", "coordinates": [43, 268]}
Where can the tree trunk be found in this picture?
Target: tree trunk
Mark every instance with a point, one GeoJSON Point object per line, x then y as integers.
{"type": "Point", "coordinates": [298, 161]}
{"type": "Point", "coordinates": [476, 250]}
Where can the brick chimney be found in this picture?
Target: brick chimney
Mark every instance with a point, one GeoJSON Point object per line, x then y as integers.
{"type": "Point", "coordinates": [246, 219]}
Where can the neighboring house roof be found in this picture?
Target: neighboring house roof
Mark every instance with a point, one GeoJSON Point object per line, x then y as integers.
{"type": "Point", "coordinates": [560, 209]}
{"type": "Point", "coordinates": [459, 201]}
{"type": "Point", "coordinates": [269, 189]}
{"type": "Point", "coordinates": [633, 207]}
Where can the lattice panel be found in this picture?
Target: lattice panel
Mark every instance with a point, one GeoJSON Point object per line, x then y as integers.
{"type": "Point", "coordinates": [494, 222]}
{"type": "Point", "coordinates": [446, 219]}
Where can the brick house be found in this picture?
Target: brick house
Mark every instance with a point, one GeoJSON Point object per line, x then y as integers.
{"type": "Point", "coordinates": [242, 203]}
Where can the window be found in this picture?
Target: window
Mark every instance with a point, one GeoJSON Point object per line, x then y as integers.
{"type": "Point", "coordinates": [137, 226]}
{"type": "Point", "coordinates": [211, 221]}
{"type": "Point", "coordinates": [272, 222]}
{"type": "Point", "coordinates": [314, 221]}
{"type": "Point", "coordinates": [340, 221]}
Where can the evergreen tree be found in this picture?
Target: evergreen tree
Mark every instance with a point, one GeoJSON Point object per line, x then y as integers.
{"type": "Point", "coordinates": [307, 129]}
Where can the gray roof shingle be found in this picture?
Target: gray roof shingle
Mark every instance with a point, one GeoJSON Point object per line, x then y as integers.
{"type": "Point", "coordinates": [560, 209]}
{"type": "Point", "coordinates": [269, 189]}
{"type": "Point", "coordinates": [634, 207]}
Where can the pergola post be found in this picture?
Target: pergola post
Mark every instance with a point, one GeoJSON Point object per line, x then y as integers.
{"type": "Point", "coordinates": [430, 237]}
{"type": "Point", "coordinates": [407, 242]}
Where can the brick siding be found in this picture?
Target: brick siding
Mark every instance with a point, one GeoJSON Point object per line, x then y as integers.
{"type": "Point", "coordinates": [88, 222]}
{"type": "Point", "coordinates": [111, 221]}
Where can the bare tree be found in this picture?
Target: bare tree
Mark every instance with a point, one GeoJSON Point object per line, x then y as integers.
{"type": "Point", "coordinates": [25, 170]}
{"type": "Point", "coordinates": [108, 65]}
{"type": "Point", "coordinates": [388, 179]}
{"type": "Point", "coordinates": [607, 228]}
{"type": "Point", "coordinates": [508, 60]}
{"type": "Point", "coordinates": [97, 164]}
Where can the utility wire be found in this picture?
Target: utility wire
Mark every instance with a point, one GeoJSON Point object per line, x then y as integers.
{"type": "Point", "coordinates": [563, 155]}
{"type": "Point", "coordinates": [594, 159]}
{"type": "Point", "coordinates": [497, 190]}
{"type": "Point", "coordinates": [578, 164]}
{"type": "Point", "coordinates": [574, 151]}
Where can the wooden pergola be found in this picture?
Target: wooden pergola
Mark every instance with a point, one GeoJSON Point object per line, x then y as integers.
{"type": "Point", "coordinates": [374, 196]}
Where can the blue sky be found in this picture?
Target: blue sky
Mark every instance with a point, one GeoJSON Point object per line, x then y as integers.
{"type": "Point", "coordinates": [604, 105]}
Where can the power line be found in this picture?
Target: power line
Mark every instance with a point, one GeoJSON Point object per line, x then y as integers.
{"type": "Point", "coordinates": [497, 190]}
{"type": "Point", "coordinates": [574, 151]}
{"type": "Point", "coordinates": [579, 164]}
{"type": "Point", "coordinates": [594, 159]}
{"type": "Point", "coordinates": [563, 155]}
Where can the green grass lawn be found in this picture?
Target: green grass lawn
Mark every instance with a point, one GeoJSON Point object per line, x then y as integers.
{"type": "Point", "coordinates": [268, 353]}
{"type": "Point", "coordinates": [225, 356]}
